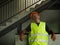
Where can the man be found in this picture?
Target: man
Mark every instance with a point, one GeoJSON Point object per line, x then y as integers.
{"type": "Point", "coordinates": [38, 31]}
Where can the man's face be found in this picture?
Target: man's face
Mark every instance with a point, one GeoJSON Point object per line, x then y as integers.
{"type": "Point", "coordinates": [36, 18]}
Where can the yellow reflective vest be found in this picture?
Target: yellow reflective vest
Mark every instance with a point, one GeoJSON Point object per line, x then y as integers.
{"type": "Point", "coordinates": [38, 34]}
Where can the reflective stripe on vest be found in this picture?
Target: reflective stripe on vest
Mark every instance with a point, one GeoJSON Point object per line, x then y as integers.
{"type": "Point", "coordinates": [38, 40]}
{"type": "Point", "coordinates": [38, 34]}
{"type": "Point", "coordinates": [41, 34]}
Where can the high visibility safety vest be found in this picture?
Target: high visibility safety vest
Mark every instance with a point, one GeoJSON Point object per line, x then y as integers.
{"type": "Point", "coordinates": [38, 34]}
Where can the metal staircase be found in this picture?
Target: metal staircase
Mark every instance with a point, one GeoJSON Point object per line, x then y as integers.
{"type": "Point", "coordinates": [13, 13]}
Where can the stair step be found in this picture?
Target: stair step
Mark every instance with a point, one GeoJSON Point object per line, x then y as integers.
{"type": "Point", "coordinates": [8, 23]}
{"type": "Point", "coordinates": [10, 20]}
{"type": "Point", "coordinates": [31, 9]}
{"type": "Point", "coordinates": [2, 27]}
{"type": "Point", "coordinates": [3, 24]}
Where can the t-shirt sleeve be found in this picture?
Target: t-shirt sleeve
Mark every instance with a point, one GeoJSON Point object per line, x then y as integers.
{"type": "Point", "coordinates": [28, 29]}
{"type": "Point", "coordinates": [48, 30]}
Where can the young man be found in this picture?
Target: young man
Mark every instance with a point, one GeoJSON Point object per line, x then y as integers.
{"type": "Point", "coordinates": [38, 31]}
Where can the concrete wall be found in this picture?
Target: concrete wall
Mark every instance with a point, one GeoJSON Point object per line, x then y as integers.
{"type": "Point", "coordinates": [51, 17]}
{"type": "Point", "coordinates": [8, 39]}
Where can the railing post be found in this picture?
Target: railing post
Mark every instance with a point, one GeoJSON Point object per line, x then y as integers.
{"type": "Point", "coordinates": [0, 15]}
{"type": "Point", "coordinates": [3, 16]}
{"type": "Point", "coordinates": [25, 4]}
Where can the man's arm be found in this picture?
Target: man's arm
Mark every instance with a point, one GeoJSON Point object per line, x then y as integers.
{"type": "Point", "coordinates": [53, 35]}
{"type": "Point", "coordinates": [25, 31]}
{"type": "Point", "coordinates": [48, 30]}
{"type": "Point", "coordinates": [22, 35]}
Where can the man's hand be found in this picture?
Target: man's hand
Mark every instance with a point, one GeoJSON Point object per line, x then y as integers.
{"type": "Point", "coordinates": [53, 37]}
{"type": "Point", "coordinates": [22, 35]}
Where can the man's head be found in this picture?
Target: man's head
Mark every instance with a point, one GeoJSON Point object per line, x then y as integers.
{"type": "Point", "coordinates": [35, 16]}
